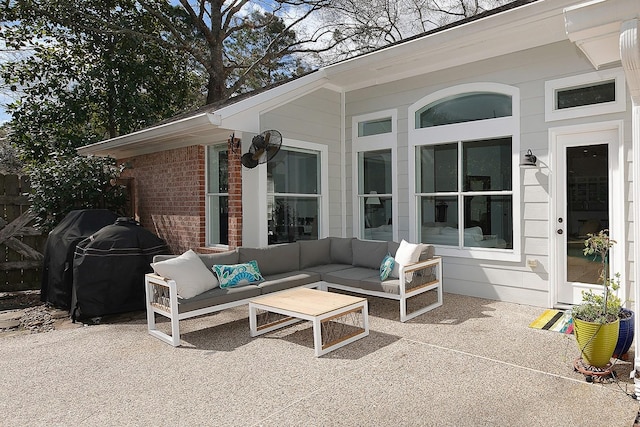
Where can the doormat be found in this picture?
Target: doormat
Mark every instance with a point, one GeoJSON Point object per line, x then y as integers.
{"type": "Point", "coordinates": [554, 320]}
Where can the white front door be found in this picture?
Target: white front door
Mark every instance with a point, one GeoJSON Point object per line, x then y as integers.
{"type": "Point", "coordinates": [585, 166]}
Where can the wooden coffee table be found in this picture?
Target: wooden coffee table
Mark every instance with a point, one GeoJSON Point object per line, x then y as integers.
{"type": "Point", "coordinates": [337, 319]}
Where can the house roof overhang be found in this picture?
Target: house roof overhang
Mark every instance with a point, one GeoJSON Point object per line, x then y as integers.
{"type": "Point", "coordinates": [595, 27]}
{"type": "Point", "coordinates": [525, 27]}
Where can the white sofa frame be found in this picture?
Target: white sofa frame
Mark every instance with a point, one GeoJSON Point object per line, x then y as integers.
{"type": "Point", "coordinates": [162, 298]}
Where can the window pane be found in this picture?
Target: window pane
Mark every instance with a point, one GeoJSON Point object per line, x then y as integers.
{"type": "Point", "coordinates": [438, 168]}
{"type": "Point", "coordinates": [487, 165]}
{"type": "Point", "coordinates": [374, 127]}
{"type": "Point", "coordinates": [292, 218]}
{"type": "Point", "coordinates": [488, 221]}
{"type": "Point", "coordinates": [375, 172]}
{"type": "Point", "coordinates": [377, 218]}
{"type": "Point", "coordinates": [217, 169]}
{"type": "Point", "coordinates": [462, 108]}
{"type": "Point", "coordinates": [439, 220]}
{"type": "Point", "coordinates": [218, 220]}
{"type": "Point", "coordinates": [586, 95]}
{"type": "Point", "coordinates": [294, 171]}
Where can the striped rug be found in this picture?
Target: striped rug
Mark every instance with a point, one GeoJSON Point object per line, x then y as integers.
{"type": "Point", "coordinates": [554, 320]}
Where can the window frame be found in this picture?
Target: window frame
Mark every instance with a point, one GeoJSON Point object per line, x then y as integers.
{"type": "Point", "coordinates": [304, 147]}
{"type": "Point", "coordinates": [378, 142]}
{"type": "Point", "coordinates": [210, 195]}
{"type": "Point", "coordinates": [502, 127]}
{"type": "Point", "coordinates": [552, 87]}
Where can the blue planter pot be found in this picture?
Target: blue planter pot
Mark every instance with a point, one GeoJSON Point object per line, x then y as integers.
{"type": "Point", "coordinates": [625, 336]}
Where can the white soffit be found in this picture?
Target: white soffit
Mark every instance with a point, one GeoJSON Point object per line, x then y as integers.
{"type": "Point", "coordinates": [594, 27]}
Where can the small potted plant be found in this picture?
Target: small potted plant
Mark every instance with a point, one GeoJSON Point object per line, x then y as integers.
{"type": "Point", "coordinates": [597, 319]}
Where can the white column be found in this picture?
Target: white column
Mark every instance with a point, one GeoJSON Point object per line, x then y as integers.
{"type": "Point", "coordinates": [630, 56]}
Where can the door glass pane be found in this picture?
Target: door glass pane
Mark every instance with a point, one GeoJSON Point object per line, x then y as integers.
{"type": "Point", "coordinates": [218, 220]}
{"type": "Point", "coordinates": [587, 207]}
{"type": "Point", "coordinates": [438, 168]}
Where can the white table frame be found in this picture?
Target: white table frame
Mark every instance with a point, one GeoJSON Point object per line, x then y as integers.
{"type": "Point", "coordinates": [349, 305]}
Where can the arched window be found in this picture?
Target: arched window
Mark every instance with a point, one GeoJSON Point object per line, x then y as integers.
{"type": "Point", "coordinates": [466, 107]}
{"type": "Point", "coordinates": [464, 144]}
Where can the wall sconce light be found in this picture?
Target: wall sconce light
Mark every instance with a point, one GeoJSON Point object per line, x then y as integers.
{"type": "Point", "coordinates": [529, 160]}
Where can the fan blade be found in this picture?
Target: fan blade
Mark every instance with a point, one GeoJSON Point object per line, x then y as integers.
{"type": "Point", "coordinates": [258, 154]}
{"type": "Point", "coordinates": [248, 161]}
{"type": "Point", "coordinates": [267, 137]}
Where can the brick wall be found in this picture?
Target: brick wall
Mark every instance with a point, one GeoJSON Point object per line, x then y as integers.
{"type": "Point", "coordinates": [169, 191]}
{"type": "Point", "coordinates": [235, 197]}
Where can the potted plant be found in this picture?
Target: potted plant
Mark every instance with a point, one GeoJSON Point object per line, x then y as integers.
{"type": "Point", "coordinates": [597, 319]}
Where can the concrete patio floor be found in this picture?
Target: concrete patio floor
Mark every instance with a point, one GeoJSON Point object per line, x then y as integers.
{"type": "Point", "coordinates": [472, 362]}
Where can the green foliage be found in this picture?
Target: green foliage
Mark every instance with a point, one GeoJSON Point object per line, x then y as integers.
{"type": "Point", "coordinates": [64, 183]}
{"type": "Point", "coordinates": [78, 85]}
{"type": "Point", "coordinates": [605, 307]}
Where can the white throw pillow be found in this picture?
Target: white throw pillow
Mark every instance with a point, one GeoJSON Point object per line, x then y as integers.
{"type": "Point", "coordinates": [191, 275]}
{"type": "Point", "coordinates": [407, 253]}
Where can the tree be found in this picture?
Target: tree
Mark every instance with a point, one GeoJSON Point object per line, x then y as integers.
{"type": "Point", "coordinates": [78, 88]}
{"type": "Point", "coordinates": [364, 25]}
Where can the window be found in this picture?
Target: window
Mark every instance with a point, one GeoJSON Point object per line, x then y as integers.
{"type": "Point", "coordinates": [590, 94]}
{"type": "Point", "coordinates": [293, 195]}
{"type": "Point", "coordinates": [462, 108]}
{"type": "Point", "coordinates": [374, 127]}
{"type": "Point", "coordinates": [464, 145]}
{"type": "Point", "coordinates": [374, 170]}
{"type": "Point", "coordinates": [217, 195]}
{"type": "Point", "coordinates": [375, 194]}
{"type": "Point", "coordinates": [481, 188]}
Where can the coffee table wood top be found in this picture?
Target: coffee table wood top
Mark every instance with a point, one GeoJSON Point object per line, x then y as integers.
{"type": "Point", "coordinates": [310, 302]}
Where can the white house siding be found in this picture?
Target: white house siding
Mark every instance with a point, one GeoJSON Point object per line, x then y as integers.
{"type": "Point", "coordinates": [315, 118]}
{"type": "Point", "coordinates": [528, 71]}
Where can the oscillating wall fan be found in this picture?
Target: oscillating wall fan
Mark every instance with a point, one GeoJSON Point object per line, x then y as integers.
{"type": "Point", "coordinates": [263, 148]}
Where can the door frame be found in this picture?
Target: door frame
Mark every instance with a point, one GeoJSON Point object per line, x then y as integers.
{"type": "Point", "coordinates": [617, 202]}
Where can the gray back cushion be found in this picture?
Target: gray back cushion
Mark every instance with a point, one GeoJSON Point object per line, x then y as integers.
{"type": "Point", "coordinates": [229, 257]}
{"type": "Point", "coordinates": [225, 258]}
{"type": "Point", "coordinates": [368, 254]}
{"type": "Point", "coordinates": [392, 247]}
{"type": "Point", "coordinates": [314, 252]}
{"type": "Point", "coordinates": [341, 251]}
{"type": "Point", "coordinates": [273, 259]}
{"type": "Point", "coordinates": [428, 252]}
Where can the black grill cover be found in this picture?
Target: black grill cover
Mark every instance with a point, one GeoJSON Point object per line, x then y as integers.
{"type": "Point", "coordinates": [57, 271]}
{"type": "Point", "coordinates": [109, 268]}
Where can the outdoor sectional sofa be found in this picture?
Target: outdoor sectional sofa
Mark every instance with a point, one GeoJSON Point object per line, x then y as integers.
{"type": "Point", "coordinates": [347, 264]}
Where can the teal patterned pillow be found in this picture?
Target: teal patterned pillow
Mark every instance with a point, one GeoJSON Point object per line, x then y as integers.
{"type": "Point", "coordinates": [386, 267]}
{"type": "Point", "coordinates": [237, 274]}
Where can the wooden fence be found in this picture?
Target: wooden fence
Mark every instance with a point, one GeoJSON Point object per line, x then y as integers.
{"type": "Point", "coordinates": [21, 245]}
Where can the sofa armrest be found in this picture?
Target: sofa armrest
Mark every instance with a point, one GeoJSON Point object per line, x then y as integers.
{"type": "Point", "coordinates": [420, 275]}
{"type": "Point", "coordinates": [162, 293]}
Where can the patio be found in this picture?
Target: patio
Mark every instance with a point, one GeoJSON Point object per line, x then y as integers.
{"type": "Point", "coordinates": [470, 362]}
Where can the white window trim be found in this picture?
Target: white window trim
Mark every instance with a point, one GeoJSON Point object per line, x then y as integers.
{"type": "Point", "coordinates": [208, 193]}
{"type": "Point", "coordinates": [551, 87]}
{"type": "Point", "coordinates": [382, 141]}
{"type": "Point", "coordinates": [474, 130]}
{"type": "Point", "coordinates": [323, 195]}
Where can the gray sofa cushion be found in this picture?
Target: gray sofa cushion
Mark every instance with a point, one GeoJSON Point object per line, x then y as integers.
{"type": "Point", "coordinates": [279, 282]}
{"type": "Point", "coordinates": [314, 252]}
{"type": "Point", "coordinates": [217, 296]}
{"type": "Point", "coordinates": [273, 259]}
{"type": "Point", "coordinates": [368, 254]}
{"type": "Point", "coordinates": [392, 247]}
{"type": "Point", "coordinates": [390, 286]}
{"type": "Point", "coordinates": [350, 276]}
{"type": "Point", "coordinates": [428, 252]}
{"type": "Point", "coordinates": [228, 257]}
{"type": "Point", "coordinates": [341, 250]}
{"type": "Point", "coordinates": [328, 268]}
